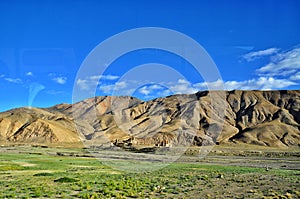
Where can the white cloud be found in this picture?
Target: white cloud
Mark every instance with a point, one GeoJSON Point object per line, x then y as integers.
{"type": "Point", "coordinates": [29, 74]}
{"type": "Point", "coordinates": [156, 87]}
{"type": "Point", "coordinates": [60, 80]}
{"type": "Point", "coordinates": [14, 80]}
{"type": "Point", "coordinates": [258, 54]}
{"type": "Point", "coordinates": [92, 81]}
{"type": "Point", "coordinates": [264, 81]}
{"type": "Point", "coordinates": [296, 76]}
{"type": "Point", "coordinates": [282, 64]}
{"type": "Point", "coordinates": [216, 85]}
{"type": "Point", "coordinates": [183, 81]}
{"type": "Point", "coordinates": [107, 89]}
{"type": "Point", "coordinates": [261, 83]}
{"type": "Point", "coordinates": [186, 87]}
{"type": "Point", "coordinates": [118, 87]}
{"type": "Point", "coordinates": [109, 77]}
{"type": "Point", "coordinates": [83, 84]}
{"type": "Point", "coordinates": [181, 87]}
{"type": "Point", "coordinates": [103, 77]}
{"type": "Point", "coordinates": [86, 84]}
{"type": "Point", "coordinates": [144, 90]}
{"type": "Point", "coordinates": [165, 93]}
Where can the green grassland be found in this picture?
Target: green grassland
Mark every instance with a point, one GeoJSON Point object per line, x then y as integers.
{"type": "Point", "coordinates": [35, 172]}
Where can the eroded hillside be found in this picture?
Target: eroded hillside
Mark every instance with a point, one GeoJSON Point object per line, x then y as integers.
{"type": "Point", "coordinates": [269, 118]}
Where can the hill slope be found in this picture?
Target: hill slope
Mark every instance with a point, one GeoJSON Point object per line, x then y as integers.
{"type": "Point", "coordinates": [36, 126]}
{"type": "Point", "coordinates": [268, 118]}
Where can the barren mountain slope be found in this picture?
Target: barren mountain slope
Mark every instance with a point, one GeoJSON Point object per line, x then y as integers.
{"type": "Point", "coordinates": [266, 117]}
{"type": "Point", "coordinates": [34, 125]}
{"type": "Point", "coordinates": [269, 118]}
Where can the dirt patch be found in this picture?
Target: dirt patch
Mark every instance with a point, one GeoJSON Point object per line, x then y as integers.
{"type": "Point", "coordinates": [82, 166]}
{"type": "Point", "coordinates": [26, 164]}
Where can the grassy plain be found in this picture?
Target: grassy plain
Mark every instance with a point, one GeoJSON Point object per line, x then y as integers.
{"type": "Point", "coordinates": [37, 172]}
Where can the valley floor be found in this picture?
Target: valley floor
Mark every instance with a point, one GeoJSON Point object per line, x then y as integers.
{"type": "Point", "coordinates": [226, 172]}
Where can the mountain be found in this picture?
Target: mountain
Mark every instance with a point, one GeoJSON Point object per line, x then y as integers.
{"type": "Point", "coordinates": [267, 118]}
{"type": "Point", "coordinates": [34, 125]}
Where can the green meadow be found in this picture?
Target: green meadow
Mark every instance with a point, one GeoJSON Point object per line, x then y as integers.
{"type": "Point", "coordinates": [42, 173]}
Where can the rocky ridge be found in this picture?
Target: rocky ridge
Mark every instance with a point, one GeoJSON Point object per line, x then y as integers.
{"type": "Point", "coordinates": [267, 118]}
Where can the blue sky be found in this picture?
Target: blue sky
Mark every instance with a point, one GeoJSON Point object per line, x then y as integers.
{"type": "Point", "coordinates": [255, 45]}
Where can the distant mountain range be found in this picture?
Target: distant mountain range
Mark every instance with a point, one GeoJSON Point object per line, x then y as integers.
{"type": "Point", "coordinates": [267, 118]}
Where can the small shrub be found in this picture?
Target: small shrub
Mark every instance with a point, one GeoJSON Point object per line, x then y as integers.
{"type": "Point", "coordinates": [43, 174]}
{"type": "Point", "coordinates": [66, 179]}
